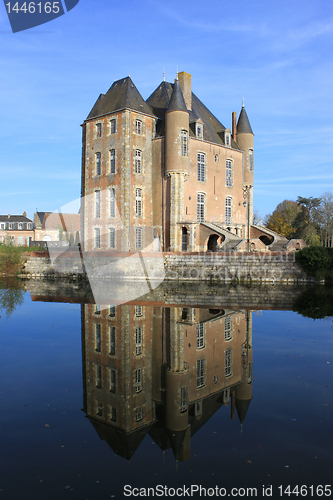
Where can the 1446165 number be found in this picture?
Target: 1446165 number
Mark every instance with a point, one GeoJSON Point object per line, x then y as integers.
{"type": "Point", "coordinates": [303, 491]}
{"type": "Point", "coordinates": [34, 7]}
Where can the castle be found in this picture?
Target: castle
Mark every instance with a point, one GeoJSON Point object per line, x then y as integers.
{"type": "Point", "coordinates": [164, 171]}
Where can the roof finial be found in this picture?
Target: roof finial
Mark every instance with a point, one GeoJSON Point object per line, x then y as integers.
{"type": "Point", "coordinates": [177, 73]}
{"type": "Point", "coordinates": [243, 102]}
{"type": "Point", "coordinates": [163, 74]}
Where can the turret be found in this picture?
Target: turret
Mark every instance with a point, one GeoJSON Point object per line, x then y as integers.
{"type": "Point", "coordinates": [176, 132]}
{"type": "Point", "coordinates": [245, 142]}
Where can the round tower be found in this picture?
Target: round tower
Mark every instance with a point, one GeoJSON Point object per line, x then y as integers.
{"type": "Point", "coordinates": [245, 143]}
{"type": "Point", "coordinates": [176, 160]}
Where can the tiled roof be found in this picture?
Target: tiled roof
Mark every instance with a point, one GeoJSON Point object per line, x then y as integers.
{"type": "Point", "coordinates": [177, 102]}
{"type": "Point", "coordinates": [243, 124]}
{"type": "Point", "coordinates": [14, 218]}
{"type": "Point", "coordinates": [123, 94]}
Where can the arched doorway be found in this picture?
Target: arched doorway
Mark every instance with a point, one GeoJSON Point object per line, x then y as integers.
{"type": "Point", "coordinates": [184, 239]}
{"type": "Point", "coordinates": [212, 243]}
{"type": "Point", "coordinates": [267, 240]}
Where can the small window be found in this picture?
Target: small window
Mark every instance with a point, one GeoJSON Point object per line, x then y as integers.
{"type": "Point", "coordinates": [216, 158]}
{"type": "Point", "coordinates": [98, 340]}
{"type": "Point", "coordinates": [112, 346]}
{"type": "Point", "coordinates": [215, 379]}
{"type": "Point", "coordinates": [29, 225]}
{"type": "Point", "coordinates": [11, 225]}
{"type": "Point", "coordinates": [185, 313]}
{"type": "Point", "coordinates": [228, 215]}
{"type": "Point", "coordinates": [112, 161]}
{"type": "Point", "coordinates": [138, 380]}
{"type": "Point", "coordinates": [200, 335]}
{"type": "Point", "coordinates": [226, 396]}
{"type": "Point", "coordinates": [97, 309]}
{"type": "Point", "coordinates": [183, 399]}
{"type": "Point", "coordinates": [183, 137]}
{"type": "Point", "coordinates": [250, 160]}
{"type": "Point", "coordinates": [138, 161]}
{"type": "Point", "coordinates": [228, 363]}
{"type": "Point", "coordinates": [138, 238]}
{"type": "Point", "coordinates": [98, 163]}
{"type": "Point", "coordinates": [138, 340]}
{"type": "Point", "coordinates": [198, 408]}
{"type": "Point", "coordinates": [138, 127]}
{"type": "Point", "coordinates": [227, 139]}
{"type": "Point", "coordinates": [227, 329]}
{"type": "Point", "coordinates": [112, 312]}
{"type": "Point", "coordinates": [138, 202]}
{"type": "Point", "coordinates": [98, 376]}
{"type": "Point", "coordinates": [138, 413]}
{"type": "Point", "coordinates": [97, 238]}
{"type": "Point", "coordinates": [138, 311]}
{"type": "Point", "coordinates": [228, 173]}
{"type": "Point", "coordinates": [97, 204]}
{"type": "Point", "coordinates": [113, 414]}
{"type": "Point", "coordinates": [99, 409]}
{"type": "Point", "coordinates": [199, 130]}
{"type": "Point", "coordinates": [112, 237]}
{"type": "Point", "coordinates": [200, 372]}
{"type": "Point", "coordinates": [20, 240]}
{"type": "Point", "coordinates": [201, 164]}
{"type": "Point", "coordinates": [112, 126]}
{"type": "Point", "coordinates": [98, 130]}
{"type": "Point", "coordinates": [112, 203]}
{"type": "Point", "coordinates": [113, 381]}
{"type": "Point", "coordinates": [200, 207]}
{"type": "Point", "coordinates": [20, 225]}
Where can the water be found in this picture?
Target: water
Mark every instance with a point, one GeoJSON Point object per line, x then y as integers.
{"type": "Point", "coordinates": [87, 410]}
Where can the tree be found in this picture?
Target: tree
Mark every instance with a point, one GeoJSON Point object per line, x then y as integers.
{"type": "Point", "coordinates": [325, 220]}
{"type": "Point", "coordinates": [282, 220]}
{"type": "Point", "coordinates": [307, 220]}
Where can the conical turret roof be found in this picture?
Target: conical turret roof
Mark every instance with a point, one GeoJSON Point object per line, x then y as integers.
{"type": "Point", "coordinates": [243, 125]}
{"type": "Point", "coordinates": [177, 102]}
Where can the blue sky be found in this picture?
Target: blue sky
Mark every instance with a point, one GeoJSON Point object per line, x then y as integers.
{"type": "Point", "coordinates": [275, 54]}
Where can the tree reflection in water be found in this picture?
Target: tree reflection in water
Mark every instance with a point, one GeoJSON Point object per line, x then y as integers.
{"type": "Point", "coordinates": [11, 294]}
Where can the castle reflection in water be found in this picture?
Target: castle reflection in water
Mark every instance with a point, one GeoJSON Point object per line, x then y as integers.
{"type": "Point", "coordinates": [163, 371]}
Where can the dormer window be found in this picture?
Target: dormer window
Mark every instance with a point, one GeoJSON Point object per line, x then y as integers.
{"type": "Point", "coordinates": [227, 138]}
{"type": "Point", "coordinates": [199, 130]}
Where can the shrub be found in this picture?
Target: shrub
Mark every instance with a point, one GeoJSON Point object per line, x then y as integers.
{"type": "Point", "coordinates": [10, 259]}
{"type": "Point", "coordinates": [316, 262]}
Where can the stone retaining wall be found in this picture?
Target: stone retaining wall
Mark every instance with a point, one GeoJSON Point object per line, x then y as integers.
{"type": "Point", "coordinates": [185, 267]}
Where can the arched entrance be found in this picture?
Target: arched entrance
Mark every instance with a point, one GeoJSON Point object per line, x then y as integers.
{"type": "Point", "coordinates": [212, 243]}
{"type": "Point", "coordinates": [267, 240]}
{"type": "Point", "coordinates": [184, 239]}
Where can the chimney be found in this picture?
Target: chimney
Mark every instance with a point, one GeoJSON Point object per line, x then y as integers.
{"type": "Point", "coordinates": [185, 84]}
{"type": "Point", "coordinates": [24, 214]}
{"type": "Point", "coordinates": [234, 126]}
{"type": "Point", "coordinates": [8, 216]}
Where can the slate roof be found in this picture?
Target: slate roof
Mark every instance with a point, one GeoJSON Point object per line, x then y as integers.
{"type": "Point", "coordinates": [243, 124]}
{"type": "Point", "coordinates": [177, 102]}
{"type": "Point", "coordinates": [213, 129]}
{"type": "Point", "coordinates": [14, 218]}
{"type": "Point", "coordinates": [123, 94]}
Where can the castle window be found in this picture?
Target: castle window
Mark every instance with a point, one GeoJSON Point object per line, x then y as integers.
{"type": "Point", "coordinates": [98, 341]}
{"type": "Point", "coordinates": [138, 238]}
{"type": "Point", "coordinates": [138, 127]}
{"type": "Point", "coordinates": [138, 414]}
{"type": "Point", "coordinates": [98, 376]}
{"type": "Point", "coordinates": [183, 138]}
{"type": "Point", "coordinates": [138, 340]}
{"type": "Point", "coordinates": [228, 173]}
{"type": "Point", "coordinates": [138, 161]}
{"type": "Point", "coordinates": [112, 126]}
{"type": "Point", "coordinates": [226, 396]}
{"type": "Point", "coordinates": [113, 381]}
{"type": "Point", "coordinates": [199, 130]}
{"type": "Point", "coordinates": [29, 225]}
{"type": "Point", "coordinates": [20, 225]}
{"type": "Point", "coordinates": [97, 238]}
{"type": "Point", "coordinates": [251, 160]}
{"type": "Point", "coordinates": [112, 237]}
{"type": "Point", "coordinates": [112, 203]}
{"type": "Point", "coordinates": [113, 414]}
{"type": "Point", "coordinates": [138, 311]}
{"type": "Point", "coordinates": [227, 139]}
{"type": "Point", "coordinates": [228, 363]}
{"type": "Point", "coordinates": [200, 335]}
{"type": "Point", "coordinates": [112, 340]}
{"type": "Point", "coordinates": [198, 408]}
{"type": "Point", "coordinates": [112, 312]}
{"type": "Point", "coordinates": [200, 207]}
{"type": "Point", "coordinates": [200, 372]}
{"type": "Point", "coordinates": [138, 380]}
{"type": "Point", "coordinates": [98, 130]}
{"type": "Point", "coordinates": [183, 399]}
{"type": "Point", "coordinates": [112, 161]}
{"type": "Point", "coordinates": [97, 204]}
{"type": "Point", "coordinates": [216, 158]}
{"type": "Point", "coordinates": [228, 215]}
{"type": "Point", "coordinates": [99, 409]}
{"type": "Point", "coordinates": [98, 163]}
{"type": "Point", "coordinates": [227, 328]}
{"type": "Point", "coordinates": [138, 202]}
{"type": "Point", "coordinates": [201, 166]}
{"type": "Point", "coordinates": [97, 309]}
